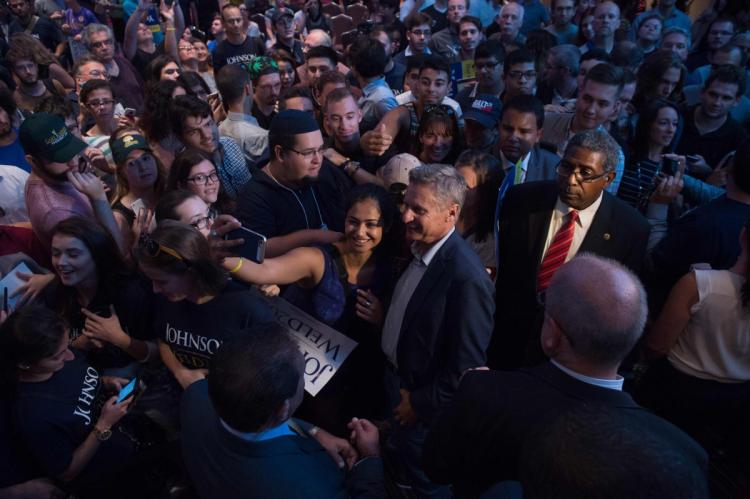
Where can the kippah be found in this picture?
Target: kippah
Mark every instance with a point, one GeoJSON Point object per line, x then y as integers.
{"type": "Point", "coordinates": [293, 122]}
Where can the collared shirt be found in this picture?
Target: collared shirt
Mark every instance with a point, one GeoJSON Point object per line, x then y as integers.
{"type": "Point", "coordinates": [510, 167]}
{"type": "Point", "coordinates": [282, 430]}
{"type": "Point", "coordinates": [409, 52]}
{"type": "Point", "coordinates": [377, 99]}
{"type": "Point", "coordinates": [611, 384]}
{"type": "Point", "coordinates": [244, 129]}
{"type": "Point", "coordinates": [583, 224]}
{"type": "Point", "coordinates": [233, 170]}
{"type": "Point", "coordinates": [402, 294]}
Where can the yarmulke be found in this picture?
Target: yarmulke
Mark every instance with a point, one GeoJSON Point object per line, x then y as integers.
{"type": "Point", "coordinates": [293, 122]}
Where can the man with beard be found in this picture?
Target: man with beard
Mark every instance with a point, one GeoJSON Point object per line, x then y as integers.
{"type": "Point", "coordinates": [543, 225]}
{"type": "Point", "coordinates": [61, 184]}
{"type": "Point", "coordinates": [193, 123]}
{"type": "Point", "coordinates": [264, 73]}
{"type": "Point", "coordinates": [606, 22]}
{"type": "Point", "coordinates": [30, 90]}
{"type": "Point", "coordinates": [295, 198]}
{"type": "Point", "coordinates": [11, 152]}
{"type": "Point", "coordinates": [41, 28]}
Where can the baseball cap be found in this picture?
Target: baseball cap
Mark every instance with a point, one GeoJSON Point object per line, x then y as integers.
{"type": "Point", "coordinates": [122, 146]}
{"type": "Point", "coordinates": [396, 170]}
{"type": "Point", "coordinates": [45, 135]}
{"type": "Point", "coordinates": [485, 109]}
{"type": "Point", "coordinates": [279, 13]}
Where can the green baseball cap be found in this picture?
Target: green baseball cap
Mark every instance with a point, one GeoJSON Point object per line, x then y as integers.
{"type": "Point", "coordinates": [45, 135]}
{"type": "Point", "coordinates": [122, 146]}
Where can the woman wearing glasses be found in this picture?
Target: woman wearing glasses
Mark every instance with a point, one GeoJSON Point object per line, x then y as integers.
{"type": "Point", "coordinates": [140, 182]}
{"type": "Point", "coordinates": [193, 171]}
{"type": "Point", "coordinates": [97, 100]}
{"type": "Point", "coordinates": [199, 308]}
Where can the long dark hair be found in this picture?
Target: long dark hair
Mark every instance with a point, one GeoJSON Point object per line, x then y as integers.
{"type": "Point", "coordinates": [179, 249]}
{"type": "Point", "coordinates": [489, 177]}
{"type": "Point", "coordinates": [389, 219]}
{"type": "Point", "coordinates": [155, 117]}
{"type": "Point", "coordinates": [111, 269]}
{"type": "Point", "coordinates": [650, 75]}
{"type": "Point", "coordinates": [642, 130]}
{"type": "Point", "coordinates": [180, 170]}
{"type": "Point", "coordinates": [27, 336]}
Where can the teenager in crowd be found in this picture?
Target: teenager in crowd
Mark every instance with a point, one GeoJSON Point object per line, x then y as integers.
{"type": "Point", "coordinates": [439, 136]}
{"type": "Point", "coordinates": [194, 171]}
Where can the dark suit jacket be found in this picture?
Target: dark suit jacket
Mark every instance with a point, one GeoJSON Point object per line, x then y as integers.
{"type": "Point", "coordinates": [223, 466]}
{"type": "Point", "coordinates": [477, 440]}
{"type": "Point", "coordinates": [447, 326]}
{"type": "Point", "coordinates": [618, 232]}
{"type": "Point", "coordinates": [542, 164]}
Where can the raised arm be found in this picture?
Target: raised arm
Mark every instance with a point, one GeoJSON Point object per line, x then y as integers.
{"type": "Point", "coordinates": [130, 41]}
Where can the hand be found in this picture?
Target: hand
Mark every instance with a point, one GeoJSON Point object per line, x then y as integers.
{"type": "Point", "coordinates": [669, 186]}
{"type": "Point", "coordinates": [167, 12]}
{"type": "Point", "coordinates": [186, 377]}
{"type": "Point", "coordinates": [38, 488]}
{"type": "Point", "coordinates": [142, 223]}
{"type": "Point", "coordinates": [105, 328]}
{"type": "Point", "coordinates": [376, 142]}
{"type": "Point", "coordinates": [369, 307]}
{"type": "Point", "coordinates": [97, 160]}
{"type": "Point", "coordinates": [404, 412]}
{"type": "Point", "coordinates": [112, 412]}
{"type": "Point", "coordinates": [65, 28]}
{"type": "Point", "coordinates": [341, 451]}
{"type": "Point", "coordinates": [334, 156]}
{"type": "Point", "coordinates": [35, 283]}
{"type": "Point", "coordinates": [224, 224]}
{"type": "Point", "coordinates": [269, 290]}
{"type": "Point", "coordinates": [217, 108]}
{"type": "Point", "coordinates": [114, 383]}
{"type": "Point", "coordinates": [128, 121]}
{"type": "Point", "coordinates": [718, 177]}
{"type": "Point", "coordinates": [3, 316]}
{"type": "Point", "coordinates": [364, 437]}
{"type": "Point", "coordinates": [88, 184]}
{"type": "Point", "coordinates": [698, 167]}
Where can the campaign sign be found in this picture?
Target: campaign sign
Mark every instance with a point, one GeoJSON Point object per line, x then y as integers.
{"type": "Point", "coordinates": [324, 348]}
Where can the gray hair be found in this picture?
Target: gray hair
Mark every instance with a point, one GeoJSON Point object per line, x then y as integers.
{"type": "Point", "coordinates": [567, 55]}
{"type": "Point", "coordinates": [597, 140]}
{"type": "Point", "coordinates": [445, 181]}
{"type": "Point", "coordinates": [507, 5]}
{"type": "Point", "coordinates": [676, 29]}
{"type": "Point", "coordinates": [600, 306]}
{"type": "Point", "coordinates": [92, 29]}
{"type": "Point", "coordinates": [325, 37]}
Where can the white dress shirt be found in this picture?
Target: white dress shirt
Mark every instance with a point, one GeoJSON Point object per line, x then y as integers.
{"type": "Point", "coordinates": [612, 384]}
{"type": "Point", "coordinates": [560, 216]}
{"type": "Point", "coordinates": [402, 294]}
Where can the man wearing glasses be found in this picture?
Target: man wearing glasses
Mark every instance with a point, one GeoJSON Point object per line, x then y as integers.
{"type": "Point", "coordinates": [418, 34]}
{"type": "Point", "coordinates": [519, 74]}
{"type": "Point", "coordinates": [295, 198]}
{"type": "Point", "coordinates": [543, 225]}
{"type": "Point", "coordinates": [123, 76]}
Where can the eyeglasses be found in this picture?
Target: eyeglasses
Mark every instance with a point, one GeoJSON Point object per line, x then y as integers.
{"type": "Point", "coordinates": [100, 103]}
{"type": "Point", "coordinates": [153, 248]}
{"type": "Point", "coordinates": [565, 169]}
{"type": "Point", "coordinates": [202, 179]}
{"type": "Point", "coordinates": [485, 65]}
{"type": "Point", "coordinates": [203, 222]}
{"type": "Point", "coordinates": [102, 43]}
{"type": "Point", "coordinates": [187, 48]}
{"type": "Point", "coordinates": [421, 32]}
{"type": "Point", "coordinates": [309, 153]}
{"type": "Point", "coordinates": [95, 74]}
{"type": "Point", "coordinates": [517, 75]}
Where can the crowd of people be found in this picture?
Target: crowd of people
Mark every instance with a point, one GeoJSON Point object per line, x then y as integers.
{"type": "Point", "coordinates": [533, 220]}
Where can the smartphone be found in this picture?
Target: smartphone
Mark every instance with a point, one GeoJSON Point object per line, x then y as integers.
{"type": "Point", "coordinates": [129, 112]}
{"type": "Point", "coordinates": [137, 206]}
{"type": "Point", "coordinates": [127, 390]}
{"type": "Point", "coordinates": [692, 158]}
{"type": "Point", "coordinates": [214, 95]}
{"type": "Point", "coordinates": [669, 166]}
{"type": "Point", "coordinates": [254, 247]}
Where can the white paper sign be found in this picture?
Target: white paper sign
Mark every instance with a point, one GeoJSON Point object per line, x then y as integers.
{"type": "Point", "coordinates": [324, 348]}
{"type": "Point", "coordinates": [13, 282]}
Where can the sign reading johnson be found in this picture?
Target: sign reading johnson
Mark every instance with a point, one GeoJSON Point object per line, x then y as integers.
{"type": "Point", "coordinates": [324, 348]}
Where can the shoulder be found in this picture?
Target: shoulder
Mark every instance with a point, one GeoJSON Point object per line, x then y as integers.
{"type": "Point", "coordinates": [625, 215]}
{"type": "Point", "coordinates": [529, 192]}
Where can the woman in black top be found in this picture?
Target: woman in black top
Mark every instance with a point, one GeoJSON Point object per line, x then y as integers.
{"type": "Point", "coordinates": [194, 171]}
{"type": "Point", "coordinates": [65, 412]}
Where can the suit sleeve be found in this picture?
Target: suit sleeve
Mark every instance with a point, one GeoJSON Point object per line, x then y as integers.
{"type": "Point", "coordinates": [467, 328]}
{"type": "Point", "coordinates": [365, 480]}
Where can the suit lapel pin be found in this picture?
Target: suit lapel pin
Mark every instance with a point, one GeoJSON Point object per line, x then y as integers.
{"type": "Point", "coordinates": [607, 237]}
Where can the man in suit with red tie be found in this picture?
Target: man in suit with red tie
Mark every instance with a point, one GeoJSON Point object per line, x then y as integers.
{"type": "Point", "coordinates": [543, 225]}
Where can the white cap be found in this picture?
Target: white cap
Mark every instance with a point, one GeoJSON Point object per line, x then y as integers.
{"type": "Point", "coordinates": [397, 169]}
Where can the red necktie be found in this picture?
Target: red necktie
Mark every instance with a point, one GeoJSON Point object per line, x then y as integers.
{"type": "Point", "coordinates": [557, 252]}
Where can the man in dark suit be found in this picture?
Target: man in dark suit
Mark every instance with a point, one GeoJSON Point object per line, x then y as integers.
{"type": "Point", "coordinates": [440, 318]}
{"type": "Point", "coordinates": [239, 440]}
{"type": "Point", "coordinates": [520, 130]}
{"type": "Point", "coordinates": [537, 220]}
{"type": "Point", "coordinates": [595, 313]}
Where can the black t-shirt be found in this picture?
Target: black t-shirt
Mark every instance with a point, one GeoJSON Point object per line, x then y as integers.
{"type": "Point", "coordinates": [263, 121]}
{"type": "Point", "coordinates": [141, 60]}
{"type": "Point", "coordinates": [439, 19]}
{"type": "Point", "coordinates": [713, 146]}
{"type": "Point", "coordinates": [133, 300]}
{"type": "Point", "coordinates": [228, 53]}
{"type": "Point", "coordinates": [44, 30]}
{"type": "Point", "coordinates": [195, 332]}
{"type": "Point", "coordinates": [55, 416]}
{"type": "Point", "coordinates": [273, 210]}
{"type": "Point", "coordinates": [295, 50]}
{"type": "Point", "coordinates": [15, 464]}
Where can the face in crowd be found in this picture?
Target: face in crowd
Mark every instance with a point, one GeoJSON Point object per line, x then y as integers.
{"type": "Point", "coordinates": [518, 134]}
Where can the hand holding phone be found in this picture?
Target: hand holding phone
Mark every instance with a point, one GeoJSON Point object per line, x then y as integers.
{"type": "Point", "coordinates": [254, 246]}
{"type": "Point", "coordinates": [128, 390]}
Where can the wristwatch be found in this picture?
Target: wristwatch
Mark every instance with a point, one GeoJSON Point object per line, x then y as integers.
{"type": "Point", "coordinates": [102, 435]}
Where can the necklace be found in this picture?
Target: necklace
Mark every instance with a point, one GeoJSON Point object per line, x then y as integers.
{"type": "Point", "coordinates": [299, 201]}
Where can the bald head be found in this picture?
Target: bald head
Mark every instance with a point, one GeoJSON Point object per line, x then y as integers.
{"type": "Point", "coordinates": [600, 307]}
{"type": "Point", "coordinates": [317, 38]}
{"type": "Point", "coordinates": [606, 19]}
